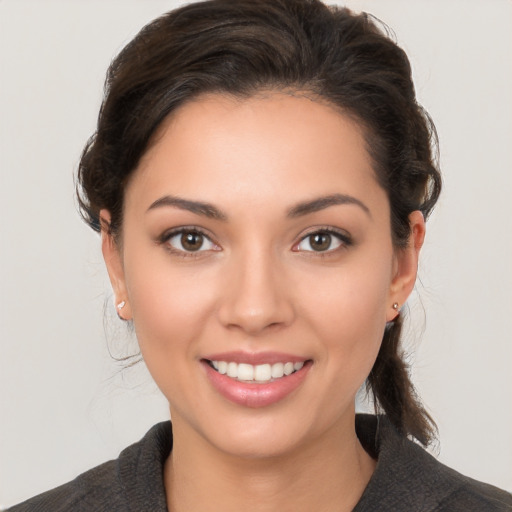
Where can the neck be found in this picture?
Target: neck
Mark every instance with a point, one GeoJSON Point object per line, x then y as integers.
{"type": "Point", "coordinates": [329, 474]}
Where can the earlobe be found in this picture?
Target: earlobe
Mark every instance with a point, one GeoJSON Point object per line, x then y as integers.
{"type": "Point", "coordinates": [406, 265]}
{"type": "Point", "coordinates": [113, 261]}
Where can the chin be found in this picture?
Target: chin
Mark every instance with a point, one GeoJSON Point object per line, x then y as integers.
{"type": "Point", "coordinates": [259, 442]}
{"type": "Point", "coordinates": [274, 431]}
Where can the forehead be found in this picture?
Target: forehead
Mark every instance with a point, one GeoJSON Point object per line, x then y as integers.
{"type": "Point", "coordinates": [272, 147]}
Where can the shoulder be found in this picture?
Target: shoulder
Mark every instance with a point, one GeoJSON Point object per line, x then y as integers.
{"type": "Point", "coordinates": [408, 478]}
{"type": "Point", "coordinates": [97, 489]}
{"type": "Point", "coordinates": [471, 495]}
{"type": "Point", "coordinates": [134, 481]}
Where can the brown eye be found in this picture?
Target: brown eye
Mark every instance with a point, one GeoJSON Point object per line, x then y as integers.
{"type": "Point", "coordinates": [189, 241]}
{"type": "Point", "coordinates": [192, 241]}
{"type": "Point", "coordinates": [323, 241]}
{"type": "Point", "coordinates": [320, 241]}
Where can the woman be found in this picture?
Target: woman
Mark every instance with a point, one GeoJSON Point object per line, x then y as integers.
{"type": "Point", "coordinates": [261, 175]}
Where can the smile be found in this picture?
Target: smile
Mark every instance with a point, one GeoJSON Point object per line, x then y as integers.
{"type": "Point", "coordinates": [261, 373]}
{"type": "Point", "coordinates": [255, 380]}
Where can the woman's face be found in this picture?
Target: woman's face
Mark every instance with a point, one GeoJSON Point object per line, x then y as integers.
{"type": "Point", "coordinates": [256, 241]}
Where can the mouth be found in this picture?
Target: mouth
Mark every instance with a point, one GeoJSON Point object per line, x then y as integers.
{"type": "Point", "coordinates": [260, 373]}
{"type": "Point", "coordinates": [256, 380]}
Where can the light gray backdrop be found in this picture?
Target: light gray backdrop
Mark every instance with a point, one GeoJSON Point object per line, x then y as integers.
{"type": "Point", "coordinates": [64, 406]}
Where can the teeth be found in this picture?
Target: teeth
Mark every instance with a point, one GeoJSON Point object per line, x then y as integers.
{"type": "Point", "coordinates": [245, 372]}
{"type": "Point", "coordinates": [222, 366]}
{"type": "Point", "coordinates": [232, 370]}
{"type": "Point", "coordinates": [277, 370]}
{"type": "Point", "coordinates": [262, 372]}
{"type": "Point", "coordinates": [256, 373]}
{"type": "Point", "coordinates": [288, 368]}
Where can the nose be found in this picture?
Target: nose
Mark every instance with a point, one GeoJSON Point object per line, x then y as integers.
{"type": "Point", "coordinates": [257, 296]}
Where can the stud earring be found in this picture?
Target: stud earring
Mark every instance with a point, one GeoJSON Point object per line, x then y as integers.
{"type": "Point", "coordinates": [119, 307]}
{"type": "Point", "coordinates": [396, 307]}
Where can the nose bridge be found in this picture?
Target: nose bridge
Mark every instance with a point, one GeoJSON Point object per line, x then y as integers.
{"type": "Point", "coordinates": [255, 295]}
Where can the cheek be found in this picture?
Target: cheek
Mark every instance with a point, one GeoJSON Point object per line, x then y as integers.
{"type": "Point", "coordinates": [346, 308]}
{"type": "Point", "coordinates": [170, 303]}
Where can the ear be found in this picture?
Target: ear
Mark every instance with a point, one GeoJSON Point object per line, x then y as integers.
{"type": "Point", "coordinates": [406, 265]}
{"type": "Point", "coordinates": [114, 263]}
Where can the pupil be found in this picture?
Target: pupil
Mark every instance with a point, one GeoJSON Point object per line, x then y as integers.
{"type": "Point", "coordinates": [191, 241]}
{"type": "Point", "coordinates": [320, 241]}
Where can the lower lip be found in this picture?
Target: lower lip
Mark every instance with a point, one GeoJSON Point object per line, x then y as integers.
{"type": "Point", "coordinates": [251, 394]}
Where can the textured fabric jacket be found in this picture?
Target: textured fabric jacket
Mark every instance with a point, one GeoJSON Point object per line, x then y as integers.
{"type": "Point", "coordinates": [406, 479]}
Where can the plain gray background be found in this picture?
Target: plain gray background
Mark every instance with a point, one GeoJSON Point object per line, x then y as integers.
{"type": "Point", "coordinates": [64, 404]}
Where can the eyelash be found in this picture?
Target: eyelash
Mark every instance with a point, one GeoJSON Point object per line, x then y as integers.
{"type": "Point", "coordinates": [168, 235]}
{"type": "Point", "coordinates": [343, 237]}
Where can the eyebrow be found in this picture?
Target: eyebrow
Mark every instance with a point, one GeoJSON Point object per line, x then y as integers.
{"type": "Point", "coordinates": [198, 207]}
{"type": "Point", "coordinates": [321, 203]}
{"type": "Point", "coordinates": [299, 210]}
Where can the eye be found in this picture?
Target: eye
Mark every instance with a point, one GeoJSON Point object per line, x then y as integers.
{"type": "Point", "coordinates": [189, 241]}
{"type": "Point", "coordinates": [322, 241]}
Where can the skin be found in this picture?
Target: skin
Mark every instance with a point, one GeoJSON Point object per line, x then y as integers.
{"type": "Point", "coordinates": [259, 286]}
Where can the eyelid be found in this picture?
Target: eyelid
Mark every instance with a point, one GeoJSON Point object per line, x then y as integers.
{"type": "Point", "coordinates": [342, 235]}
{"type": "Point", "coordinates": [164, 238]}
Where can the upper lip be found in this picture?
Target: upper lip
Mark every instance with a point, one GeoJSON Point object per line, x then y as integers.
{"type": "Point", "coordinates": [255, 358]}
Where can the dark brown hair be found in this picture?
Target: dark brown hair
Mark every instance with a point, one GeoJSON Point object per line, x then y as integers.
{"type": "Point", "coordinates": [241, 47]}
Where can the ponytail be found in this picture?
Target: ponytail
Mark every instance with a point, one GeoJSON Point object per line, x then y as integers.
{"type": "Point", "coordinates": [393, 392]}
